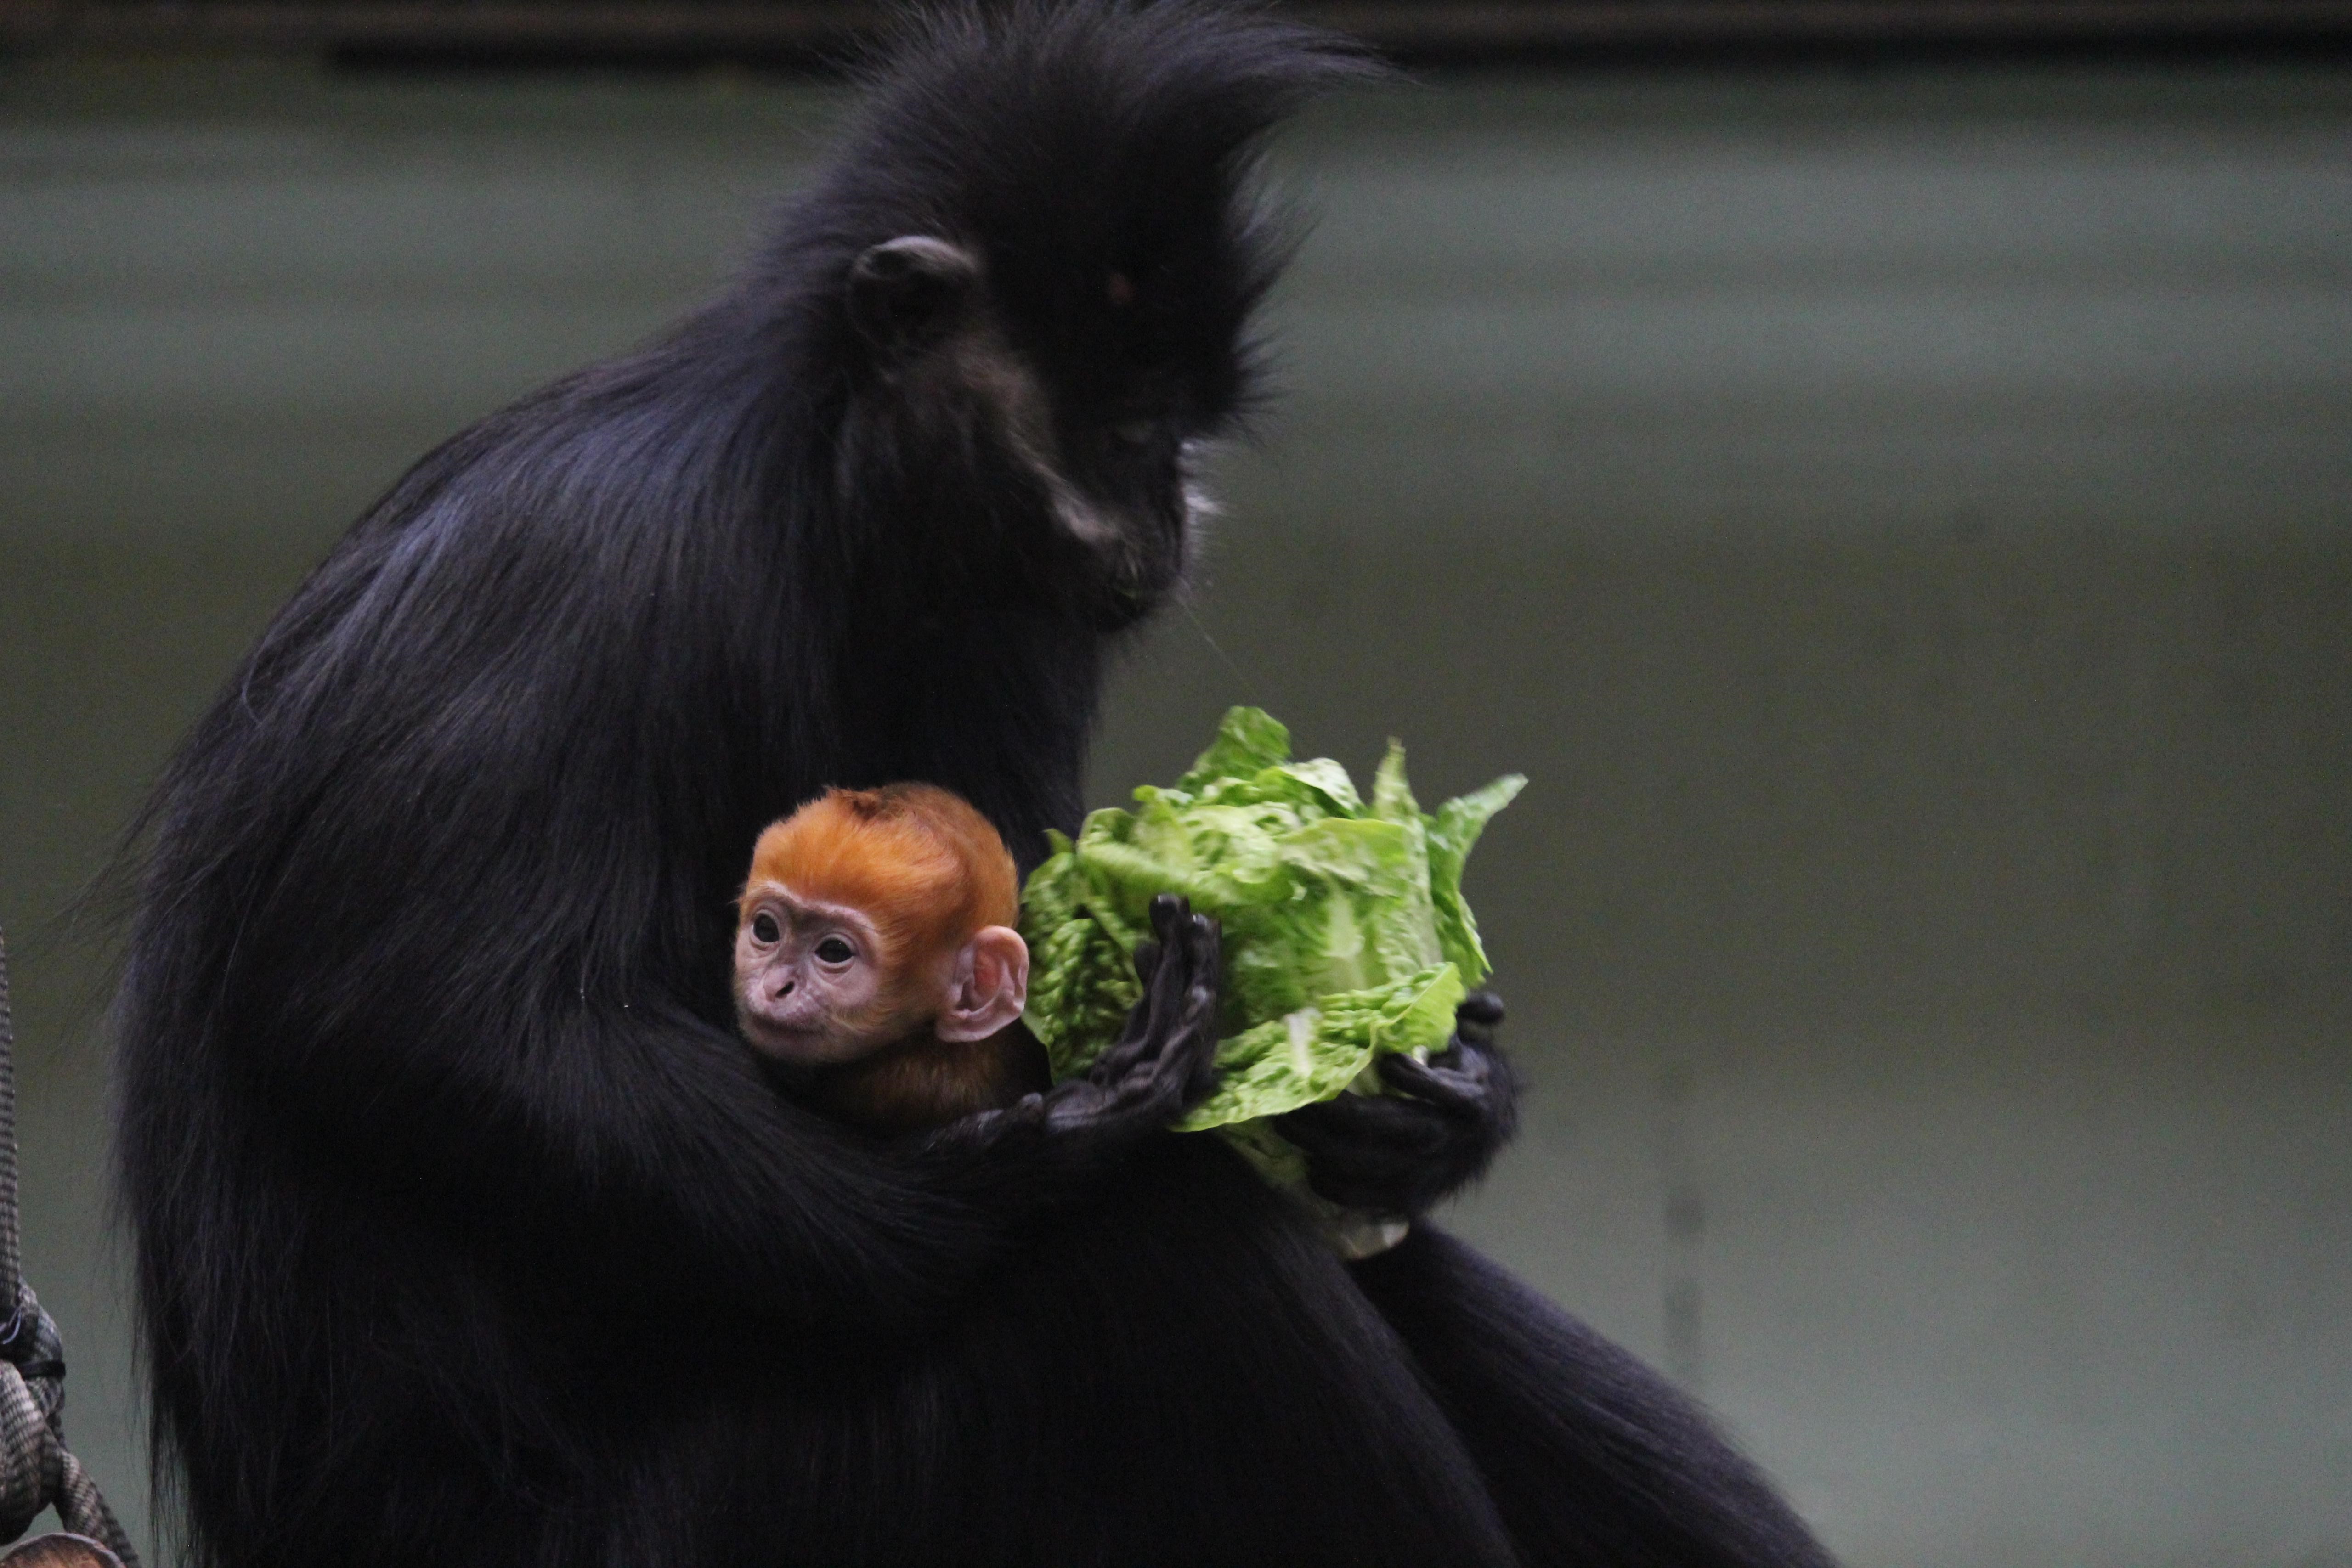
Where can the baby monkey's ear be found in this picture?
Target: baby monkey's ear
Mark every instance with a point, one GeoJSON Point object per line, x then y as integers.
{"type": "Point", "coordinates": [989, 985]}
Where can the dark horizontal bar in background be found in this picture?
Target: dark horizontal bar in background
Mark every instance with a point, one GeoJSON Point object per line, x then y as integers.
{"type": "Point", "coordinates": [804, 33]}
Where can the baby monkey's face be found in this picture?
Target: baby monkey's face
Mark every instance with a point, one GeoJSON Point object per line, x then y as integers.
{"type": "Point", "coordinates": [815, 984]}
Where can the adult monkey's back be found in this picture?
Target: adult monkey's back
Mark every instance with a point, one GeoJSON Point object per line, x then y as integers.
{"type": "Point", "coordinates": [468, 1230]}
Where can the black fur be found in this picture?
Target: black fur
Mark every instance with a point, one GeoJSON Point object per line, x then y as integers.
{"type": "Point", "coordinates": [467, 1230]}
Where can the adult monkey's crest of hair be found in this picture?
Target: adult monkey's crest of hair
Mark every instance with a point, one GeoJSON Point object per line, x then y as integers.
{"type": "Point", "coordinates": [1098, 156]}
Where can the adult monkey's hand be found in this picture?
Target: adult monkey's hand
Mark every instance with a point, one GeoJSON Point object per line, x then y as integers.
{"type": "Point", "coordinates": [1162, 1064]}
{"type": "Point", "coordinates": [1438, 1129]}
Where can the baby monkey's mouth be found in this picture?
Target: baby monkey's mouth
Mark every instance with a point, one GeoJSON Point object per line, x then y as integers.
{"type": "Point", "coordinates": [774, 1037]}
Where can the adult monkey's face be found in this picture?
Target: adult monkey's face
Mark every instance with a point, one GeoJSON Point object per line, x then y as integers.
{"type": "Point", "coordinates": [1065, 406]}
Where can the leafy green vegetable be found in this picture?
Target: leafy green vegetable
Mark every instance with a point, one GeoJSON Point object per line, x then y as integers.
{"type": "Point", "coordinates": [1345, 930]}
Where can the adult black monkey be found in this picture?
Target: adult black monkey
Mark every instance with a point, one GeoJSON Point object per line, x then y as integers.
{"type": "Point", "coordinates": [468, 1230]}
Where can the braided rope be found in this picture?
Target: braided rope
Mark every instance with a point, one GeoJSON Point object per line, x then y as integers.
{"type": "Point", "coordinates": [36, 1468]}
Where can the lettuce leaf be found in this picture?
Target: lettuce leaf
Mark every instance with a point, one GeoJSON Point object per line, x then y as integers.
{"type": "Point", "coordinates": [1344, 931]}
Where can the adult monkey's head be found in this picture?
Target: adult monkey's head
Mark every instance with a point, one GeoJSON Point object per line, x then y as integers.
{"type": "Point", "coordinates": [1044, 324]}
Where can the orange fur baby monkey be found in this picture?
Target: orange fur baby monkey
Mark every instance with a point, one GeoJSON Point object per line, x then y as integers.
{"type": "Point", "coordinates": [875, 952]}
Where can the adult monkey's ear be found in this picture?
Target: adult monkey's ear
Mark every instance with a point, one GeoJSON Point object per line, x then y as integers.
{"type": "Point", "coordinates": [906, 292]}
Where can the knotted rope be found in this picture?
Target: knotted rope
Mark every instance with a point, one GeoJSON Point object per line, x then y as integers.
{"type": "Point", "coordinates": [36, 1469]}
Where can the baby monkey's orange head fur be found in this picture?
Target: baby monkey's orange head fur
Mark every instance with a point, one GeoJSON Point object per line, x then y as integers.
{"type": "Point", "coordinates": [871, 915]}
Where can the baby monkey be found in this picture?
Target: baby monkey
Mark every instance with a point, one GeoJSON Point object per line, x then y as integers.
{"type": "Point", "coordinates": [875, 957]}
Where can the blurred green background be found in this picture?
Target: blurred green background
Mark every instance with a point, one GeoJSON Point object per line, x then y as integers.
{"type": "Point", "coordinates": [1901, 519]}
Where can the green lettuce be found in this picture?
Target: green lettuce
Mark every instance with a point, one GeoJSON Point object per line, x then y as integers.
{"type": "Point", "coordinates": [1345, 932]}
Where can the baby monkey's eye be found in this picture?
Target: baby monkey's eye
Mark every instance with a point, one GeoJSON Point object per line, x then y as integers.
{"type": "Point", "coordinates": [765, 927]}
{"type": "Point", "coordinates": [834, 950]}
